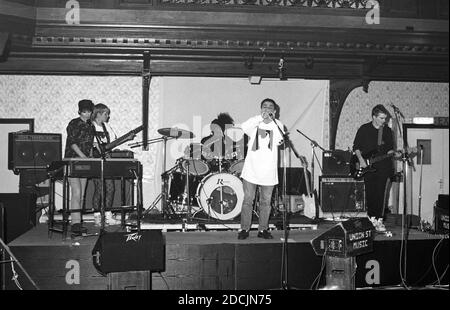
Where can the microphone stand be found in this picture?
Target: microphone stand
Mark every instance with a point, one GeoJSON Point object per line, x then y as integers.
{"type": "Point", "coordinates": [405, 162]}
{"type": "Point", "coordinates": [284, 261]}
{"type": "Point", "coordinates": [314, 144]}
{"type": "Point", "coordinates": [163, 195]}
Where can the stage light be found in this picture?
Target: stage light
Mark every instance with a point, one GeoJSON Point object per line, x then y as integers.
{"type": "Point", "coordinates": [282, 69]}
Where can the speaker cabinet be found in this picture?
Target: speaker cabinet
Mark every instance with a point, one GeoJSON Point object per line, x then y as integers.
{"type": "Point", "coordinates": [336, 162]}
{"type": "Point", "coordinates": [295, 180]}
{"type": "Point", "coordinates": [129, 251]}
{"type": "Point", "coordinates": [19, 215]}
{"type": "Point", "coordinates": [342, 194]}
{"type": "Point", "coordinates": [33, 150]}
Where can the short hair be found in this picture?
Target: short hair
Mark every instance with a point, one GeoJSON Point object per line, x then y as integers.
{"type": "Point", "coordinates": [379, 108]}
{"type": "Point", "coordinates": [85, 105]}
{"type": "Point", "coordinates": [98, 109]}
{"type": "Point", "coordinates": [269, 100]}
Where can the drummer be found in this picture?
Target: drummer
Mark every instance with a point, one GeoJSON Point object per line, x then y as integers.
{"type": "Point", "coordinates": [214, 143]}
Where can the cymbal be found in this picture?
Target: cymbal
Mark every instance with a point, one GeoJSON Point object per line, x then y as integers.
{"type": "Point", "coordinates": [176, 133]}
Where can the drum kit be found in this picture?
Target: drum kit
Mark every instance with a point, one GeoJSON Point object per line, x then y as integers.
{"type": "Point", "coordinates": [201, 181]}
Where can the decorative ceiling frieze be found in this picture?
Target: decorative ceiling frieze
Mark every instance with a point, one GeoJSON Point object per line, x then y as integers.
{"type": "Point", "coordinates": [321, 39]}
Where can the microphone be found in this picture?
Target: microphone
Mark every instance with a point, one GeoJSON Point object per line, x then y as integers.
{"type": "Point", "coordinates": [397, 110]}
{"type": "Point", "coordinates": [271, 115]}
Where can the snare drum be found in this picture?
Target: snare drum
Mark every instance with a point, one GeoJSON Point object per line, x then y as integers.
{"type": "Point", "coordinates": [221, 195]}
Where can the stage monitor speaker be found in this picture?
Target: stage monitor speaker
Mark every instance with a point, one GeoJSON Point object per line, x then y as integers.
{"type": "Point", "coordinates": [336, 162]}
{"type": "Point", "coordinates": [342, 194]}
{"type": "Point", "coordinates": [19, 212]}
{"type": "Point", "coordinates": [349, 238]}
{"type": "Point", "coordinates": [295, 180]}
{"type": "Point", "coordinates": [129, 251]}
{"type": "Point", "coordinates": [33, 150]}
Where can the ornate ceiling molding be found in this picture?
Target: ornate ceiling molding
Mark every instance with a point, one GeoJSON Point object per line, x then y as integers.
{"type": "Point", "coordinates": [209, 42]}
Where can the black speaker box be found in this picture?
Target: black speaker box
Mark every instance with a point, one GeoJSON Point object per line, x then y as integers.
{"type": "Point", "coordinates": [33, 150]}
{"type": "Point", "coordinates": [129, 251]}
{"type": "Point", "coordinates": [295, 180]}
{"type": "Point", "coordinates": [349, 238]}
{"type": "Point", "coordinates": [342, 194]}
{"type": "Point", "coordinates": [336, 162]}
{"type": "Point", "coordinates": [19, 212]}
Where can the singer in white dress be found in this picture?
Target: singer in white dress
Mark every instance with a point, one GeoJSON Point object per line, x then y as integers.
{"type": "Point", "coordinates": [260, 167]}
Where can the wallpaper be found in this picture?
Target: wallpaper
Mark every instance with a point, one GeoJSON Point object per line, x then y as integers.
{"type": "Point", "coordinates": [412, 98]}
{"type": "Point", "coordinates": [53, 101]}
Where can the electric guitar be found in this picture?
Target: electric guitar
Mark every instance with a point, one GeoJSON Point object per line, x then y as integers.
{"type": "Point", "coordinates": [126, 137]}
{"type": "Point", "coordinates": [309, 199]}
{"type": "Point", "coordinates": [357, 172]}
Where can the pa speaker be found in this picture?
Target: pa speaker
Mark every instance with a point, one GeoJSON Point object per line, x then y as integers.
{"type": "Point", "coordinates": [33, 150]}
{"type": "Point", "coordinates": [18, 215]}
{"type": "Point", "coordinates": [342, 194]}
{"type": "Point", "coordinates": [295, 180]}
{"type": "Point", "coordinates": [129, 251]}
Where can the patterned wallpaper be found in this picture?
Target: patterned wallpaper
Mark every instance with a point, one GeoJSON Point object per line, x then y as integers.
{"type": "Point", "coordinates": [53, 101]}
{"type": "Point", "coordinates": [412, 98]}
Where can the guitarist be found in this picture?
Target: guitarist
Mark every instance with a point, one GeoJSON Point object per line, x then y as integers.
{"type": "Point", "coordinates": [375, 137]}
{"type": "Point", "coordinates": [99, 118]}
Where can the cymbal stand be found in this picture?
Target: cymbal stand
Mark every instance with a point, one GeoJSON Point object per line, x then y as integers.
{"type": "Point", "coordinates": [163, 194]}
{"type": "Point", "coordinates": [186, 194]}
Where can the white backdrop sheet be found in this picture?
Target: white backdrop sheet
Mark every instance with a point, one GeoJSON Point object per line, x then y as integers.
{"type": "Point", "coordinates": [192, 103]}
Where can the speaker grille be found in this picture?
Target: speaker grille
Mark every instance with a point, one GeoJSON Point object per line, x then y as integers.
{"type": "Point", "coordinates": [33, 150]}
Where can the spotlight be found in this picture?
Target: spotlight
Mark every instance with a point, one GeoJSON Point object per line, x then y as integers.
{"type": "Point", "coordinates": [282, 69]}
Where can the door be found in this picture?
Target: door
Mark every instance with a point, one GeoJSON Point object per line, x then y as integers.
{"type": "Point", "coordinates": [429, 174]}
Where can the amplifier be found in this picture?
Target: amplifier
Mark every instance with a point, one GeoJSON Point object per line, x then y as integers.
{"type": "Point", "coordinates": [342, 194]}
{"type": "Point", "coordinates": [33, 150]}
{"type": "Point", "coordinates": [336, 162]}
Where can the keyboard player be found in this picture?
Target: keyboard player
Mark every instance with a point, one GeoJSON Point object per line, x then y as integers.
{"type": "Point", "coordinates": [79, 143]}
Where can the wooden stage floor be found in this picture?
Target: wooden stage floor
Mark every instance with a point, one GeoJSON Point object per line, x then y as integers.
{"type": "Point", "coordinates": [217, 260]}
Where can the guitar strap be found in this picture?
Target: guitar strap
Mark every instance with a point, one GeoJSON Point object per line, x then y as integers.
{"type": "Point", "coordinates": [106, 133]}
{"type": "Point", "coordinates": [380, 136]}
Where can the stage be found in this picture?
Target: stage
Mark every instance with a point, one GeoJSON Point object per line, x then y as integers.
{"type": "Point", "coordinates": [205, 258]}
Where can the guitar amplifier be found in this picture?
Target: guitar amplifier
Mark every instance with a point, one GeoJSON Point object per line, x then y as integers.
{"type": "Point", "coordinates": [33, 150]}
{"type": "Point", "coordinates": [342, 194]}
{"type": "Point", "coordinates": [336, 162]}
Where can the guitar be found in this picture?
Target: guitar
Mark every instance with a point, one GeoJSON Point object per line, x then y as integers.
{"type": "Point", "coordinates": [357, 172]}
{"type": "Point", "coordinates": [309, 199]}
{"type": "Point", "coordinates": [126, 137]}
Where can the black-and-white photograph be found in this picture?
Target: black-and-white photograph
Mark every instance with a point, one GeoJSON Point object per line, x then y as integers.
{"type": "Point", "coordinates": [211, 146]}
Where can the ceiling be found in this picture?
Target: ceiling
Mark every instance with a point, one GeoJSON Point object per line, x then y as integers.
{"type": "Point", "coordinates": [317, 39]}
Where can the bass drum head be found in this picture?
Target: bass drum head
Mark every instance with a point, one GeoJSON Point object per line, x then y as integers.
{"type": "Point", "coordinates": [221, 195]}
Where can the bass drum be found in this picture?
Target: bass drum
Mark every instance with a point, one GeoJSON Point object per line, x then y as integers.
{"type": "Point", "coordinates": [221, 195]}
